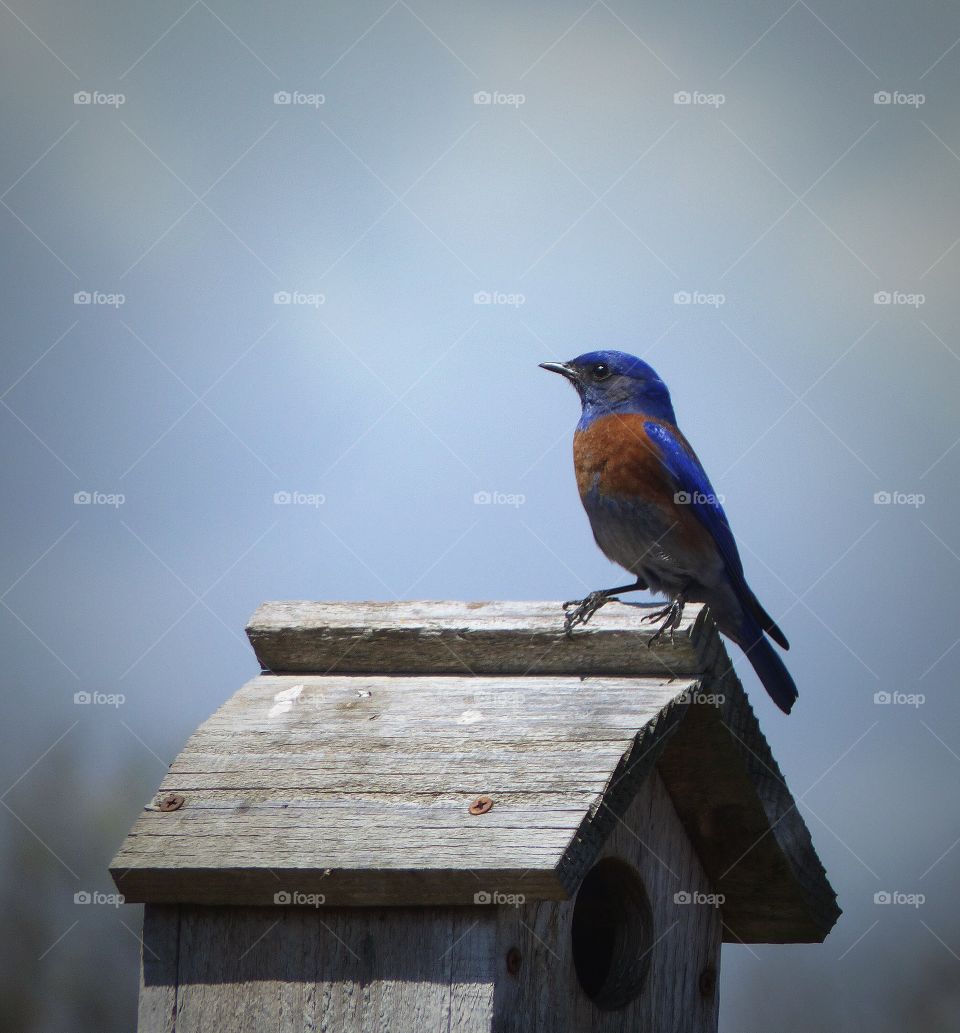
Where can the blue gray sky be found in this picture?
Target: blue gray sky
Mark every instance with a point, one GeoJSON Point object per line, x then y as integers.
{"type": "Point", "coordinates": [320, 250]}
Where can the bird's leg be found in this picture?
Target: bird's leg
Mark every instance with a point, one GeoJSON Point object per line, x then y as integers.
{"type": "Point", "coordinates": [673, 614]}
{"type": "Point", "coordinates": [588, 606]}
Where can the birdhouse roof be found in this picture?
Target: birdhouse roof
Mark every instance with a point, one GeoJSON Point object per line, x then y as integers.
{"type": "Point", "coordinates": [415, 752]}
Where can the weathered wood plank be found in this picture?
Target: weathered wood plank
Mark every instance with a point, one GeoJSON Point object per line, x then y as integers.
{"type": "Point", "coordinates": [437, 637]}
{"type": "Point", "coordinates": [360, 970]}
{"type": "Point", "coordinates": [159, 955]}
{"type": "Point", "coordinates": [684, 940]}
{"type": "Point", "coordinates": [397, 762]}
{"type": "Point", "coordinates": [431, 881]}
{"type": "Point", "coordinates": [744, 823]}
{"type": "Point", "coordinates": [293, 970]}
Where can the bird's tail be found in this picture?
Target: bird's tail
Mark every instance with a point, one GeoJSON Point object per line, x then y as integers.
{"type": "Point", "coordinates": [769, 667]}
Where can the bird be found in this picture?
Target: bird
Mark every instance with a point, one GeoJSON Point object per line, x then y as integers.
{"type": "Point", "coordinates": [653, 511]}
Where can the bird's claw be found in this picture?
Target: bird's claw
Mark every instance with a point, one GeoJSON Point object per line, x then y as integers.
{"type": "Point", "coordinates": [672, 614]}
{"type": "Point", "coordinates": [584, 609]}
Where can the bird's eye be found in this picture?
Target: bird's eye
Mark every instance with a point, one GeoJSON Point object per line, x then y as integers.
{"type": "Point", "coordinates": [600, 372]}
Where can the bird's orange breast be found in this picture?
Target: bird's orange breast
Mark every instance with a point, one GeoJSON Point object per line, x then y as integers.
{"type": "Point", "coordinates": [615, 455]}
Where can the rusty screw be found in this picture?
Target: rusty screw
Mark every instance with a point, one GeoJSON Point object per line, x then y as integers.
{"type": "Point", "coordinates": [514, 958]}
{"type": "Point", "coordinates": [708, 981]}
{"type": "Point", "coordinates": [170, 802]}
{"type": "Point", "coordinates": [481, 805]}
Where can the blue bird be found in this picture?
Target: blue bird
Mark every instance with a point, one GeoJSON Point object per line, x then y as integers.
{"type": "Point", "coordinates": [654, 512]}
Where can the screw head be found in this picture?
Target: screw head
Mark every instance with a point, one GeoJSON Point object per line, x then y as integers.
{"type": "Point", "coordinates": [481, 805]}
{"type": "Point", "coordinates": [514, 960]}
{"type": "Point", "coordinates": [170, 802]}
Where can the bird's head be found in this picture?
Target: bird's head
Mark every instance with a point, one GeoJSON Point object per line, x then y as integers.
{"type": "Point", "coordinates": [615, 382]}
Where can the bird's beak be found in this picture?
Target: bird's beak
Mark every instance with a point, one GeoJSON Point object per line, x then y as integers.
{"type": "Point", "coordinates": [563, 368]}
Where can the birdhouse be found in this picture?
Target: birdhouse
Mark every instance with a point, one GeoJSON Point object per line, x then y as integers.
{"type": "Point", "coordinates": [451, 816]}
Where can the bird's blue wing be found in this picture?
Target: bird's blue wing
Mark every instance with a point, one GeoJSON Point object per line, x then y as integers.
{"type": "Point", "coordinates": [689, 476]}
{"type": "Point", "coordinates": [691, 479]}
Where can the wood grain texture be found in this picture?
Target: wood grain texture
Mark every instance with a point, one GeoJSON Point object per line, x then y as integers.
{"type": "Point", "coordinates": [159, 963]}
{"type": "Point", "coordinates": [685, 940]}
{"type": "Point", "coordinates": [450, 637]}
{"type": "Point", "coordinates": [349, 970]}
{"type": "Point", "coordinates": [443, 969]}
{"type": "Point", "coordinates": [359, 788]}
{"type": "Point", "coordinates": [744, 823]}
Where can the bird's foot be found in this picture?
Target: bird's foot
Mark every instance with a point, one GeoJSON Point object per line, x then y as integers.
{"type": "Point", "coordinates": [672, 615]}
{"type": "Point", "coordinates": [583, 610]}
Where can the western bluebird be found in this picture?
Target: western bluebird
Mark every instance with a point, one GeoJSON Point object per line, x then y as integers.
{"type": "Point", "coordinates": [653, 511]}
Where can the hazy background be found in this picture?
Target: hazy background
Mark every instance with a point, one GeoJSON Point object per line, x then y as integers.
{"type": "Point", "coordinates": [588, 206]}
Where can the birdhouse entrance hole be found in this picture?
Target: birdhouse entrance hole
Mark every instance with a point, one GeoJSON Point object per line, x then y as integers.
{"type": "Point", "coordinates": [612, 933]}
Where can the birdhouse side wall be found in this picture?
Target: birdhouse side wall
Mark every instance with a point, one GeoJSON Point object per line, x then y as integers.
{"type": "Point", "coordinates": [681, 988]}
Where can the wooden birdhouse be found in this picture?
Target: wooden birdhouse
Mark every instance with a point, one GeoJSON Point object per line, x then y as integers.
{"type": "Point", "coordinates": [449, 816]}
